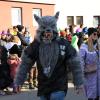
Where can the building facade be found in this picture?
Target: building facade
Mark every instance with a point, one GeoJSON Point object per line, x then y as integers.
{"type": "Point", "coordinates": [86, 12]}
{"type": "Point", "coordinates": [14, 12]}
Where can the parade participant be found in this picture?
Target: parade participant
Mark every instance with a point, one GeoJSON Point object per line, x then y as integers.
{"type": "Point", "coordinates": [52, 55]}
{"type": "Point", "coordinates": [90, 62]}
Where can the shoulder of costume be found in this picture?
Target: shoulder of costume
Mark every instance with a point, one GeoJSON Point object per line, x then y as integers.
{"type": "Point", "coordinates": [35, 42]}
{"type": "Point", "coordinates": [62, 41]}
{"type": "Point", "coordinates": [33, 47]}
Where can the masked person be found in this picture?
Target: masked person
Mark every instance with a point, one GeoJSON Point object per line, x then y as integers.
{"type": "Point", "coordinates": [52, 55]}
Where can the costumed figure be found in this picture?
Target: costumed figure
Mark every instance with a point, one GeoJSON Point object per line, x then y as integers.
{"type": "Point", "coordinates": [90, 61]}
{"type": "Point", "coordinates": [52, 55]}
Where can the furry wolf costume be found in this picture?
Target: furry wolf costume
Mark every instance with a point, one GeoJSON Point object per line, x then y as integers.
{"type": "Point", "coordinates": [53, 55]}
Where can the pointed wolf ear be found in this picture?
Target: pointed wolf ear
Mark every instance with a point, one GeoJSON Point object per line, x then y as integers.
{"type": "Point", "coordinates": [57, 15]}
{"type": "Point", "coordinates": [37, 18]}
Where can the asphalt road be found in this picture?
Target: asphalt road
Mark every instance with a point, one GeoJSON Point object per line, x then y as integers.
{"type": "Point", "coordinates": [32, 95]}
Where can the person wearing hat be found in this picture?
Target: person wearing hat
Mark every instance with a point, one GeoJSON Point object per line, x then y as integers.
{"type": "Point", "coordinates": [13, 61]}
{"type": "Point", "coordinates": [5, 78]}
{"type": "Point", "coordinates": [89, 55]}
{"type": "Point", "coordinates": [3, 38]}
{"type": "Point", "coordinates": [74, 42]}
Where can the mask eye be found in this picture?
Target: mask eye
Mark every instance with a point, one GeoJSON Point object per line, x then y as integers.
{"type": "Point", "coordinates": [42, 34]}
{"type": "Point", "coordinates": [53, 26]}
{"type": "Point", "coordinates": [43, 27]}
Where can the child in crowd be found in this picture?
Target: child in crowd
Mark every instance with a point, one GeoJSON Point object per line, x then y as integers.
{"type": "Point", "coordinates": [13, 61]}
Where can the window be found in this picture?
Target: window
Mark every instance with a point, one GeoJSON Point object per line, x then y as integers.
{"type": "Point", "coordinates": [38, 12]}
{"type": "Point", "coordinates": [79, 20]}
{"type": "Point", "coordinates": [96, 21]}
{"type": "Point", "coordinates": [70, 20]}
{"type": "Point", "coordinates": [16, 14]}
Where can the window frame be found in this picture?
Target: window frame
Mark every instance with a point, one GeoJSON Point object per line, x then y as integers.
{"type": "Point", "coordinates": [95, 25]}
{"type": "Point", "coordinates": [79, 21]}
{"type": "Point", "coordinates": [14, 24]}
{"type": "Point", "coordinates": [40, 14]}
{"type": "Point", "coordinates": [70, 22]}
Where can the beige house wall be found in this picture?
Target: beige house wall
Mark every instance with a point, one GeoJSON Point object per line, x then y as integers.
{"type": "Point", "coordinates": [5, 13]}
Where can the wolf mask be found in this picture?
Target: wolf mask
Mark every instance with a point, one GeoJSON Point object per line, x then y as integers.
{"type": "Point", "coordinates": [47, 30]}
{"type": "Point", "coordinates": [47, 35]}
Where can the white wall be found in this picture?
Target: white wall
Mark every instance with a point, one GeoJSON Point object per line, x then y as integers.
{"type": "Point", "coordinates": [85, 8]}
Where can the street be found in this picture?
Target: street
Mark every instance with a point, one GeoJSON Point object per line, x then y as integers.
{"type": "Point", "coordinates": [32, 95]}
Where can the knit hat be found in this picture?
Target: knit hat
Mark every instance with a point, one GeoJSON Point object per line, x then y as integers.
{"type": "Point", "coordinates": [91, 31]}
{"type": "Point", "coordinates": [14, 49]}
{"type": "Point", "coordinates": [3, 33]}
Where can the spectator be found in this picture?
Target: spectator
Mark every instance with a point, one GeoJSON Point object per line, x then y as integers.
{"type": "Point", "coordinates": [13, 61]}
{"type": "Point", "coordinates": [80, 28]}
{"type": "Point", "coordinates": [74, 42]}
{"type": "Point", "coordinates": [3, 38]}
{"type": "Point", "coordinates": [98, 34]}
{"type": "Point", "coordinates": [5, 78]}
{"type": "Point", "coordinates": [27, 35]}
{"type": "Point", "coordinates": [32, 78]}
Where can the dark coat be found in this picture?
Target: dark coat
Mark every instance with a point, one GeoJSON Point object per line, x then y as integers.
{"type": "Point", "coordinates": [58, 80]}
{"type": "Point", "coordinates": [5, 78]}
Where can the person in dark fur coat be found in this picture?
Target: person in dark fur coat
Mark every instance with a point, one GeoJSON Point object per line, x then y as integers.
{"type": "Point", "coordinates": [5, 78]}
{"type": "Point", "coordinates": [52, 55]}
